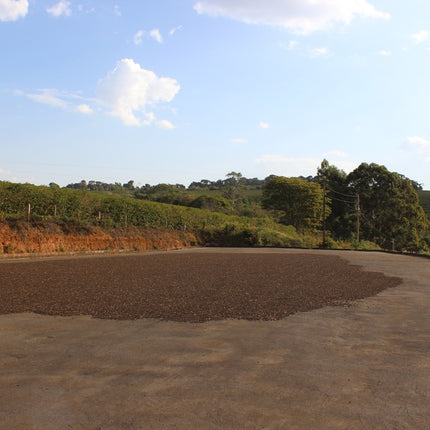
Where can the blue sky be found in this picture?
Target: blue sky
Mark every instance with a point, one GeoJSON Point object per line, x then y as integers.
{"type": "Point", "coordinates": [180, 90]}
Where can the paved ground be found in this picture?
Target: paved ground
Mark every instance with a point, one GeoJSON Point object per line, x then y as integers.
{"type": "Point", "coordinates": [366, 366]}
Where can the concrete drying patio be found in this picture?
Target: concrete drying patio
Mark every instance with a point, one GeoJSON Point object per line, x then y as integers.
{"type": "Point", "coordinates": [354, 367]}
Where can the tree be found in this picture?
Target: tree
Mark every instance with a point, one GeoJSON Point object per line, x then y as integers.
{"type": "Point", "coordinates": [129, 185]}
{"type": "Point", "coordinates": [390, 207]}
{"type": "Point", "coordinates": [300, 202]}
{"type": "Point", "coordinates": [212, 203]}
{"type": "Point", "coordinates": [233, 186]}
{"type": "Point", "coordinates": [342, 219]}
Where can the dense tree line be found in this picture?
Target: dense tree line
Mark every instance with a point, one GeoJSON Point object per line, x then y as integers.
{"type": "Point", "coordinates": [375, 204]}
{"type": "Point", "coordinates": [368, 204]}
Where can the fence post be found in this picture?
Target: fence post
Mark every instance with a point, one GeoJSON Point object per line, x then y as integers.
{"type": "Point", "coordinates": [28, 213]}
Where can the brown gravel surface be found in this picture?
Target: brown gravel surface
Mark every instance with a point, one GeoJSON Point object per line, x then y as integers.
{"type": "Point", "coordinates": [185, 287]}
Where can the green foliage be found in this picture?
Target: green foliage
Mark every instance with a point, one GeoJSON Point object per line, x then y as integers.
{"type": "Point", "coordinates": [238, 211]}
{"type": "Point", "coordinates": [300, 201]}
{"type": "Point", "coordinates": [212, 203]}
{"type": "Point", "coordinates": [341, 221]}
{"type": "Point", "coordinates": [424, 197]}
{"type": "Point", "coordinates": [390, 208]}
{"type": "Point", "coordinates": [233, 187]}
{"type": "Point", "coordinates": [70, 207]}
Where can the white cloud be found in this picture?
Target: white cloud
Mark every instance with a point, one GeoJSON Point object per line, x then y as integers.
{"type": "Point", "coordinates": [4, 172]}
{"type": "Point", "coordinates": [175, 29]}
{"type": "Point", "coordinates": [263, 124]}
{"type": "Point", "coordinates": [298, 16]}
{"type": "Point", "coordinates": [167, 125]}
{"type": "Point", "coordinates": [137, 39]}
{"type": "Point", "coordinates": [59, 99]}
{"type": "Point", "coordinates": [117, 10]}
{"type": "Point", "coordinates": [420, 37]}
{"type": "Point", "coordinates": [128, 90]}
{"type": "Point", "coordinates": [288, 166]}
{"type": "Point", "coordinates": [385, 53]}
{"type": "Point", "coordinates": [417, 144]}
{"type": "Point", "coordinates": [155, 34]}
{"type": "Point", "coordinates": [336, 154]}
{"type": "Point", "coordinates": [11, 10]}
{"type": "Point", "coordinates": [49, 96]}
{"type": "Point", "coordinates": [319, 52]}
{"type": "Point", "coordinates": [85, 109]}
{"type": "Point", "coordinates": [238, 140]}
{"type": "Point", "coordinates": [60, 8]}
{"type": "Point", "coordinates": [296, 166]}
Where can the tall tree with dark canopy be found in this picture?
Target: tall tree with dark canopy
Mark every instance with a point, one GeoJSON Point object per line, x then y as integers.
{"type": "Point", "coordinates": [389, 208]}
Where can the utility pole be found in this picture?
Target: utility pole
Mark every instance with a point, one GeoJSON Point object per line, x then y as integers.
{"type": "Point", "coordinates": [323, 220]}
{"type": "Point", "coordinates": [358, 218]}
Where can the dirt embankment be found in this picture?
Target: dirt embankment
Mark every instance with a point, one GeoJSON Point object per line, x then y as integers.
{"type": "Point", "coordinates": [54, 238]}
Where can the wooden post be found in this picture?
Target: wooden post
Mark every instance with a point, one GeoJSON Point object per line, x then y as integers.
{"type": "Point", "coordinates": [28, 212]}
{"type": "Point", "coordinates": [358, 218]}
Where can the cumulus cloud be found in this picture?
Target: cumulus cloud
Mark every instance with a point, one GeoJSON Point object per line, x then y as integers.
{"type": "Point", "coordinates": [385, 53]}
{"type": "Point", "coordinates": [263, 124]}
{"type": "Point", "coordinates": [298, 16]}
{"type": "Point", "coordinates": [128, 90]}
{"type": "Point", "coordinates": [417, 144]}
{"type": "Point", "coordinates": [420, 37]}
{"type": "Point", "coordinates": [11, 10]}
{"type": "Point", "coordinates": [60, 8]}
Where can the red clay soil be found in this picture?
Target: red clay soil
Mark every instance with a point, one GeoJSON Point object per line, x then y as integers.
{"type": "Point", "coordinates": [53, 238]}
{"type": "Point", "coordinates": [185, 287]}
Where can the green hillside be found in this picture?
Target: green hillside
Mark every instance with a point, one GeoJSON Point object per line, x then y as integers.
{"type": "Point", "coordinates": [25, 203]}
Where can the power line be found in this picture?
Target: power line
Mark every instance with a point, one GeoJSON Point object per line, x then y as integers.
{"type": "Point", "coordinates": [341, 194]}
{"type": "Point", "coordinates": [344, 201]}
